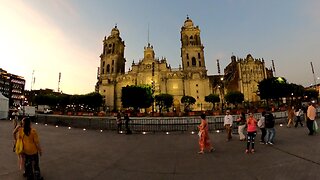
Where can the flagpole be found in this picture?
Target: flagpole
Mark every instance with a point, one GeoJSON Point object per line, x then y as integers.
{"type": "Point", "coordinates": [314, 77]}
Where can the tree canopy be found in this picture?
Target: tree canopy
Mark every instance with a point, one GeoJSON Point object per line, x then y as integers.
{"type": "Point", "coordinates": [137, 97]}
{"type": "Point", "coordinates": [234, 97]}
{"type": "Point", "coordinates": [273, 88]}
{"type": "Point", "coordinates": [187, 101]}
{"type": "Point", "coordinates": [212, 98]}
{"type": "Point", "coordinates": [164, 101]}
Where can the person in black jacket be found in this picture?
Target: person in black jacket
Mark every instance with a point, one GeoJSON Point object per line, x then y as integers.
{"type": "Point", "coordinates": [269, 125]}
{"type": "Point", "coordinates": [127, 119]}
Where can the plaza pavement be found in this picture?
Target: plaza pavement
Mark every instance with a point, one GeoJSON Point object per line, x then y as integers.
{"type": "Point", "coordinates": [75, 154]}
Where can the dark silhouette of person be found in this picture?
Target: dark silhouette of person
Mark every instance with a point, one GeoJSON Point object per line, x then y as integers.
{"type": "Point", "coordinates": [127, 119]}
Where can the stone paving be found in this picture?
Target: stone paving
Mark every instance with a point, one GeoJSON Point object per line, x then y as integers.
{"type": "Point", "coordinates": [90, 154]}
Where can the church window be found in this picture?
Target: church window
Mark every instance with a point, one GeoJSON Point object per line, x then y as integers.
{"type": "Point", "coordinates": [187, 56]}
{"type": "Point", "coordinates": [199, 56]}
{"type": "Point", "coordinates": [200, 63]}
{"type": "Point", "coordinates": [102, 70]}
{"type": "Point", "coordinates": [197, 85]}
{"type": "Point", "coordinates": [196, 39]}
{"type": "Point", "coordinates": [197, 91]}
{"type": "Point", "coordinates": [108, 68]}
{"type": "Point", "coordinates": [194, 62]}
{"type": "Point", "coordinates": [112, 70]}
{"type": "Point", "coordinates": [191, 40]}
{"type": "Point", "coordinates": [188, 63]}
{"type": "Point", "coordinates": [103, 64]}
{"type": "Point", "coordinates": [110, 45]}
{"type": "Point", "coordinates": [112, 62]}
{"type": "Point", "coordinates": [197, 97]}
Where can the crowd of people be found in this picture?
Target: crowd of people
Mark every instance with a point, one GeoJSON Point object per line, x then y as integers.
{"type": "Point", "coordinates": [266, 124]}
{"type": "Point", "coordinates": [26, 136]}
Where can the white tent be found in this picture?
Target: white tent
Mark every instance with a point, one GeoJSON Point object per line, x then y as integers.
{"type": "Point", "coordinates": [4, 107]}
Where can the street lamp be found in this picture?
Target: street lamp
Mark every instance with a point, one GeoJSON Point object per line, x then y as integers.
{"type": "Point", "coordinates": [152, 90]}
{"type": "Point", "coordinates": [222, 93]}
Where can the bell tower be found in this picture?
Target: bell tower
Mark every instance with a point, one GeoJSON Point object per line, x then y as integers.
{"type": "Point", "coordinates": [191, 48]}
{"type": "Point", "coordinates": [112, 65]}
{"type": "Point", "coordinates": [112, 57]}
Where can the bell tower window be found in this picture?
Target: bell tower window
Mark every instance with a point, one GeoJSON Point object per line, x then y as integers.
{"type": "Point", "coordinates": [199, 56]}
{"type": "Point", "coordinates": [108, 68]}
{"type": "Point", "coordinates": [187, 56]}
{"type": "Point", "coordinates": [194, 62]}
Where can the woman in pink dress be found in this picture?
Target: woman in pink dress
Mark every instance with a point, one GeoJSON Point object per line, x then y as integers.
{"type": "Point", "coordinates": [204, 140]}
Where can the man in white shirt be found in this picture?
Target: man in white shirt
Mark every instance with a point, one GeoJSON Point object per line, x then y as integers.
{"type": "Point", "coordinates": [228, 121]}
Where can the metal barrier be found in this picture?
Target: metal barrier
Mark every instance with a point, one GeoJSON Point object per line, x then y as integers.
{"type": "Point", "coordinates": [146, 124]}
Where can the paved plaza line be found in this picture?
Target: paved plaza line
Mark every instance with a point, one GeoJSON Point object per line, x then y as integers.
{"type": "Point", "coordinates": [295, 155]}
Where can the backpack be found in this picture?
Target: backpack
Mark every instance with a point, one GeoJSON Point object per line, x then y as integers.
{"type": "Point", "coordinates": [269, 120]}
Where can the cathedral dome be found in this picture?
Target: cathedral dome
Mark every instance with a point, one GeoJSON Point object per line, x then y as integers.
{"type": "Point", "coordinates": [115, 31]}
{"type": "Point", "coordinates": [188, 22]}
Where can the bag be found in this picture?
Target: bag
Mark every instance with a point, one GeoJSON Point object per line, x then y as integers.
{"type": "Point", "coordinates": [259, 123]}
{"type": "Point", "coordinates": [315, 126]}
{"type": "Point", "coordinates": [19, 146]}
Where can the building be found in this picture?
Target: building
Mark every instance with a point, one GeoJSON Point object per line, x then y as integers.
{"type": "Point", "coordinates": [12, 86]}
{"type": "Point", "coordinates": [189, 80]}
{"type": "Point", "coordinates": [243, 75]}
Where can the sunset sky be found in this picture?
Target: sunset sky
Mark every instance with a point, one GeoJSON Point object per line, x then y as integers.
{"type": "Point", "coordinates": [53, 36]}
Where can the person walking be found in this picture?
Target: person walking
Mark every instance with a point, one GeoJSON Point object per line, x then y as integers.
{"type": "Point", "coordinates": [227, 123]}
{"type": "Point", "coordinates": [311, 116]}
{"type": "Point", "coordinates": [262, 126]}
{"type": "Point", "coordinates": [241, 126]}
{"type": "Point", "coordinates": [15, 118]}
{"type": "Point", "coordinates": [126, 122]}
{"type": "Point", "coordinates": [269, 125]}
{"type": "Point", "coordinates": [298, 114]}
{"type": "Point", "coordinates": [204, 140]}
{"type": "Point", "coordinates": [119, 122]}
{"type": "Point", "coordinates": [251, 132]}
{"type": "Point", "coordinates": [21, 160]}
{"type": "Point", "coordinates": [290, 116]}
{"type": "Point", "coordinates": [31, 150]}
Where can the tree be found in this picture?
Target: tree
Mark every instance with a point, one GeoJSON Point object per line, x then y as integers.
{"type": "Point", "coordinates": [93, 100]}
{"type": "Point", "coordinates": [311, 94]}
{"type": "Point", "coordinates": [187, 101]}
{"type": "Point", "coordinates": [273, 88]}
{"type": "Point", "coordinates": [295, 91]}
{"type": "Point", "coordinates": [164, 101]}
{"type": "Point", "coordinates": [137, 97]}
{"type": "Point", "coordinates": [212, 98]}
{"type": "Point", "coordinates": [234, 97]}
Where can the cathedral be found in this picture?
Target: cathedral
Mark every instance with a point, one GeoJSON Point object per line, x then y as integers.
{"type": "Point", "coordinates": [189, 80]}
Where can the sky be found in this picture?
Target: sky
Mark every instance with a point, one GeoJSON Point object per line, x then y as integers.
{"type": "Point", "coordinates": [40, 39]}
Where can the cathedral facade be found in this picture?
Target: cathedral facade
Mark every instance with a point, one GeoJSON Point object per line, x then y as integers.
{"type": "Point", "coordinates": [189, 80]}
{"type": "Point", "coordinates": [243, 75]}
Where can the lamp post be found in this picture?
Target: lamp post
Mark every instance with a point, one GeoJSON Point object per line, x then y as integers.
{"type": "Point", "coordinates": [152, 90]}
{"type": "Point", "coordinates": [222, 94]}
